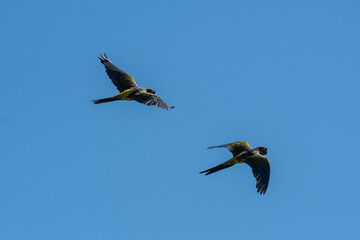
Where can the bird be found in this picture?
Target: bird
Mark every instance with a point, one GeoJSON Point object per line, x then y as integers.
{"type": "Point", "coordinates": [129, 90]}
{"type": "Point", "coordinates": [254, 157]}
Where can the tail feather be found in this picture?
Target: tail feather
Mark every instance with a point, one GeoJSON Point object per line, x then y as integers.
{"type": "Point", "coordinates": [103, 100]}
{"type": "Point", "coordinates": [222, 166]}
{"type": "Point", "coordinates": [215, 169]}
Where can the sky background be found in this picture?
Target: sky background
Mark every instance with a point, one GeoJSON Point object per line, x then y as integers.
{"type": "Point", "coordinates": [282, 74]}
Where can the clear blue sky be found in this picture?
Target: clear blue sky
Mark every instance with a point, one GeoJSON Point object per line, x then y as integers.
{"type": "Point", "coordinates": [283, 74]}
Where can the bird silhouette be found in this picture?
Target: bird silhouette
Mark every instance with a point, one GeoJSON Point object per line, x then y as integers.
{"type": "Point", "coordinates": [129, 90]}
{"type": "Point", "coordinates": [254, 157]}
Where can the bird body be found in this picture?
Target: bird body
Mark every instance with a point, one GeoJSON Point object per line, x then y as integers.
{"type": "Point", "coordinates": [254, 157]}
{"type": "Point", "coordinates": [129, 90]}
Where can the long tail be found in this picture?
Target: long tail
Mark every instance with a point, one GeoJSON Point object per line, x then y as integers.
{"type": "Point", "coordinates": [224, 165]}
{"type": "Point", "coordinates": [103, 100]}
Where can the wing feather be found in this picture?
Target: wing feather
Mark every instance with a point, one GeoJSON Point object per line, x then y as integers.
{"type": "Point", "coordinates": [235, 148]}
{"type": "Point", "coordinates": [260, 167]}
{"type": "Point", "coordinates": [150, 100]}
{"type": "Point", "coordinates": [119, 78]}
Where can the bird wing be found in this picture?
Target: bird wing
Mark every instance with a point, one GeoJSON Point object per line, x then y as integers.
{"type": "Point", "coordinates": [119, 78]}
{"type": "Point", "coordinates": [224, 165]}
{"type": "Point", "coordinates": [235, 148]}
{"type": "Point", "coordinates": [260, 167]}
{"type": "Point", "coordinates": [150, 99]}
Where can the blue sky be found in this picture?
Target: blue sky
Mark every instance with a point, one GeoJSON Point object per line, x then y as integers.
{"type": "Point", "coordinates": [280, 74]}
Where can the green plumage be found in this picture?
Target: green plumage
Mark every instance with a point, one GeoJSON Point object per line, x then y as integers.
{"type": "Point", "coordinates": [128, 88]}
{"type": "Point", "coordinates": [242, 153]}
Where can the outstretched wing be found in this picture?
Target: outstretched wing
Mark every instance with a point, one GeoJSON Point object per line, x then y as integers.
{"type": "Point", "coordinates": [150, 100]}
{"type": "Point", "coordinates": [260, 166]}
{"type": "Point", "coordinates": [119, 78]}
{"type": "Point", "coordinates": [235, 148]}
{"type": "Point", "coordinates": [221, 166]}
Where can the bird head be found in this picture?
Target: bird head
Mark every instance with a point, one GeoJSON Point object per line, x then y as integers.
{"type": "Point", "coordinates": [262, 150]}
{"type": "Point", "coordinates": [149, 90]}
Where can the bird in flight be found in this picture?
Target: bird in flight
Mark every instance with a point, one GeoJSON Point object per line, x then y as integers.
{"type": "Point", "coordinates": [128, 88]}
{"type": "Point", "coordinates": [254, 157]}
